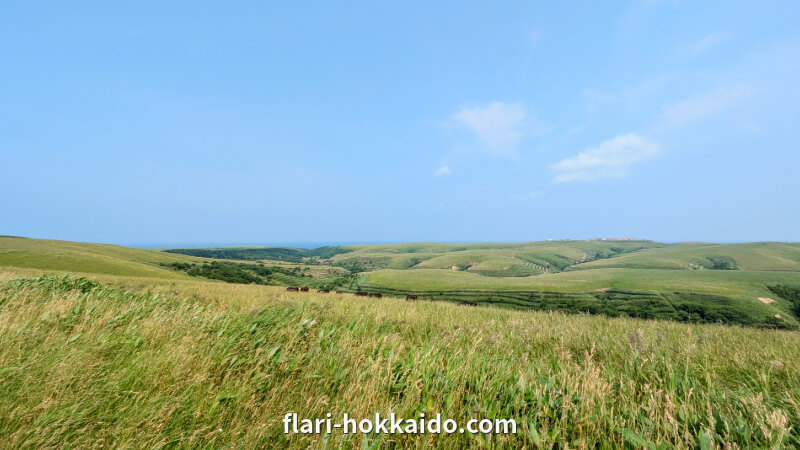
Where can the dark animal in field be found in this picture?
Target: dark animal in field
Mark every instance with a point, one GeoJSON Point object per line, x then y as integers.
{"type": "Point", "coordinates": [376, 295]}
{"type": "Point", "coordinates": [468, 304]}
{"type": "Point", "coordinates": [324, 291]}
{"type": "Point", "coordinates": [340, 292]}
{"type": "Point", "coordinates": [303, 289]}
{"type": "Point", "coordinates": [361, 294]}
{"type": "Point", "coordinates": [292, 289]}
{"type": "Point", "coordinates": [411, 297]}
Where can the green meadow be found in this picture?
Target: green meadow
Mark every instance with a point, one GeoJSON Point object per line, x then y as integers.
{"type": "Point", "coordinates": [83, 257]}
{"type": "Point", "coordinates": [131, 350]}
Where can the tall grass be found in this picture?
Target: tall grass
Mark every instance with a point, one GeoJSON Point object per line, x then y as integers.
{"type": "Point", "coordinates": [213, 365]}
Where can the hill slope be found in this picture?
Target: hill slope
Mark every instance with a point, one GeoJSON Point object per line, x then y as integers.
{"type": "Point", "coordinates": [756, 256]}
{"type": "Point", "coordinates": [69, 256]}
{"type": "Point", "coordinates": [732, 283]}
{"type": "Point", "coordinates": [487, 259]}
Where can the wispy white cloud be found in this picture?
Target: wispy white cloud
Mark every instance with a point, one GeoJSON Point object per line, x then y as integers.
{"type": "Point", "coordinates": [496, 124]}
{"type": "Point", "coordinates": [500, 126]}
{"type": "Point", "coordinates": [634, 97]}
{"type": "Point", "coordinates": [706, 105]}
{"type": "Point", "coordinates": [442, 171]}
{"type": "Point", "coordinates": [707, 43]}
{"type": "Point", "coordinates": [611, 159]}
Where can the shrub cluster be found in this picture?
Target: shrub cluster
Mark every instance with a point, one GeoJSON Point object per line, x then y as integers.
{"type": "Point", "coordinates": [790, 293]}
{"type": "Point", "coordinates": [244, 273]}
{"type": "Point", "coordinates": [685, 307]}
{"type": "Point", "coordinates": [259, 253]}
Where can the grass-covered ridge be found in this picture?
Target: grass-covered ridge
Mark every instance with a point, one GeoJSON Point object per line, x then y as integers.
{"type": "Point", "coordinates": [492, 259]}
{"type": "Point", "coordinates": [754, 256]}
{"type": "Point", "coordinates": [66, 256]}
{"type": "Point", "coordinates": [86, 364]}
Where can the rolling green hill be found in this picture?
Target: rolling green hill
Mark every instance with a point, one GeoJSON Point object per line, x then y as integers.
{"type": "Point", "coordinates": [735, 277]}
{"type": "Point", "coordinates": [730, 283]}
{"type": "Point", "coordinates": [758, 256]}
{"type": "Point", "coordinates": [83, 257]}
{"type": "Point", "coordinates": [487, 259]}
{"type": "Point", "coordinates": [80, 257]}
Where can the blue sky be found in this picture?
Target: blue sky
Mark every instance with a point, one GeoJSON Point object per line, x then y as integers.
{"type": "Point", "coordinates": [150, 123]}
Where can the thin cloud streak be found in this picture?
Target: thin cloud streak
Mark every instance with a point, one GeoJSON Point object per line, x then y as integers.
{"type": "Point", "coordinates": [442, 171]}
{"type": "Point", "coordinates": [497, 124]}
{"type": "Point", "coordinates": [611, 159]}
{"type": "Point", "coordinates": [706, 105]}
{"type": "Point", "coordinates": [708, 42]}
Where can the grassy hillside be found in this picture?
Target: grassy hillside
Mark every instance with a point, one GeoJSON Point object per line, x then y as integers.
{"type": "Point", "coordinates": [638, 292]}
{"type": "Point", "coordinates": [69, 256]}
{"type": "Point", "coordinates": [188, 363]}
{"type": "Point", "coordinates": [724, 283]}
{"type": "Point", "coordinates": [759, 256]}
{"type": "Point", "coordinates": [82, 257]}
{"type": "Point", "coordinates": [651, 279]}
{"type": "Point", "coordinates": [744, 284]}
{"type": "Point", "coordinates": [140, 354]}
{"type": "Point", "coordinates": [571, 255]}
{"type": "Point", "coordinates": [487, 259]}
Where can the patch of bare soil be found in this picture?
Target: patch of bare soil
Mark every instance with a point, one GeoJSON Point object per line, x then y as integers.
{"type": "Point", "coordinates": [766, 300]}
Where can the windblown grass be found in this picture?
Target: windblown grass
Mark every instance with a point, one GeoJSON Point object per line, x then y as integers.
{"type": "Point", "coordinates": [191, 364]}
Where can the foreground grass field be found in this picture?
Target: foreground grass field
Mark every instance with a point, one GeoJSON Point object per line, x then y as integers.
{"type": "Point", "coordinates": [134, 353]}
{"type": "Point", "coordinates": [138, 362]}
